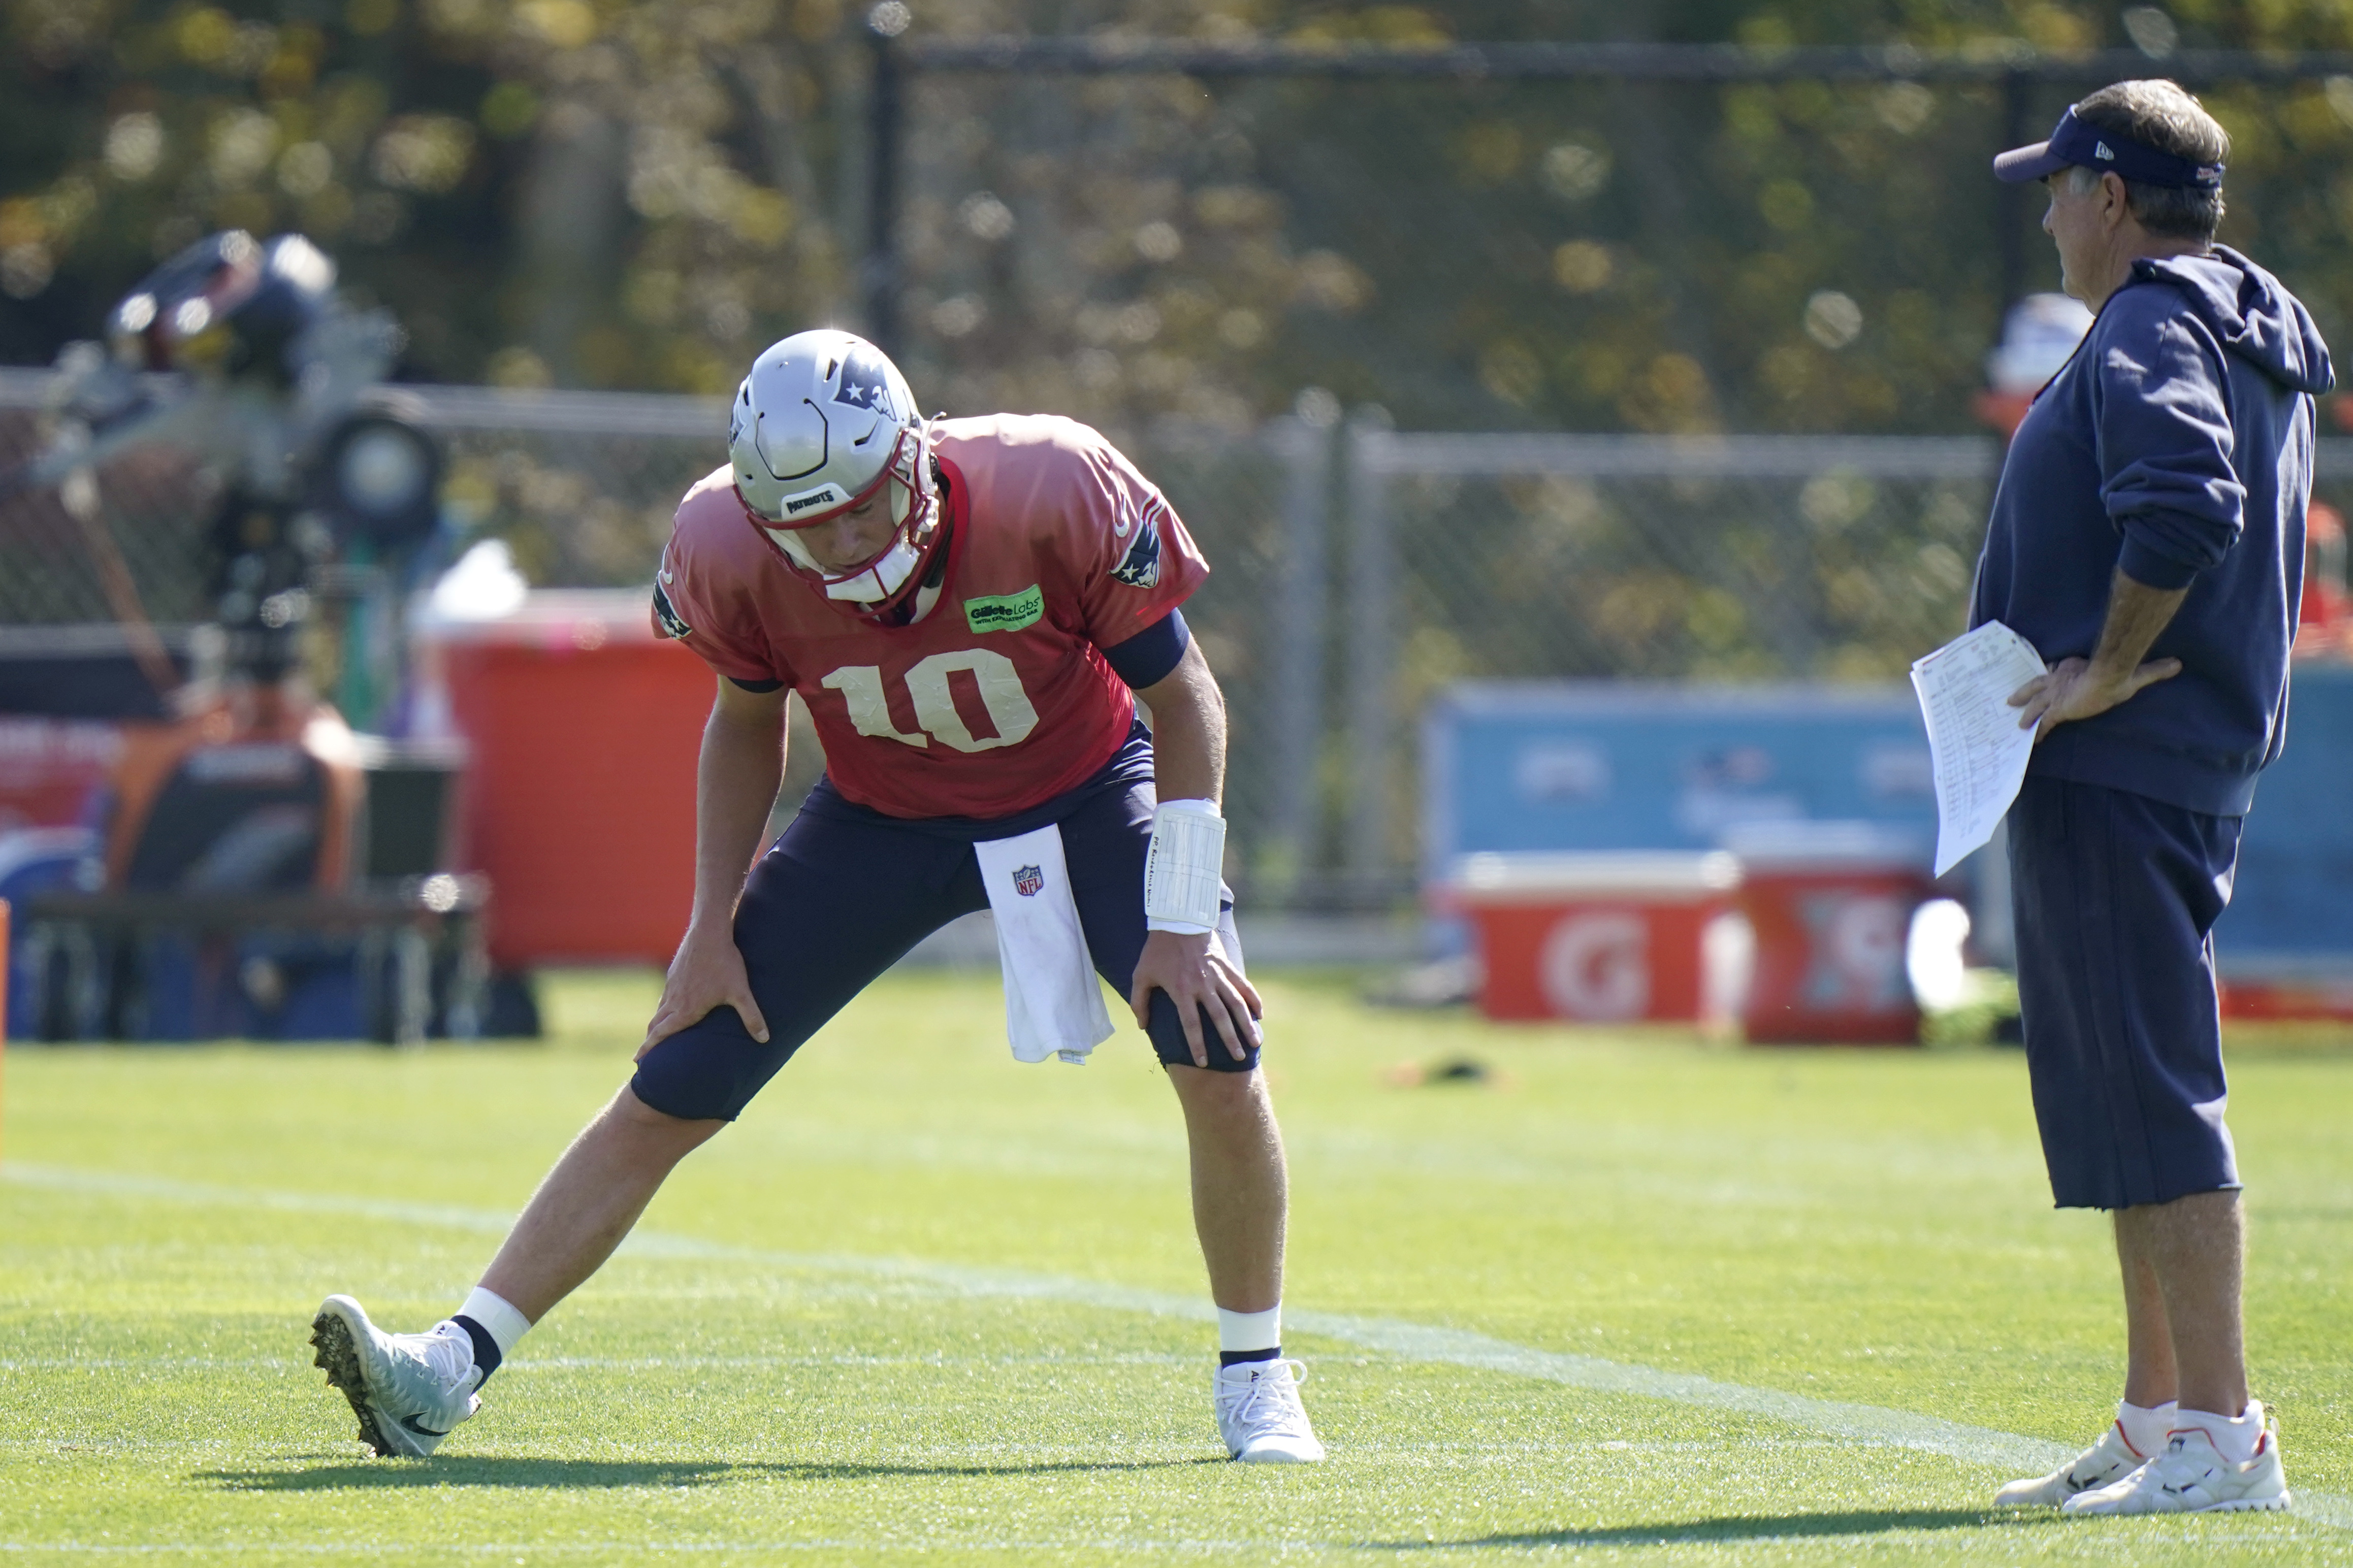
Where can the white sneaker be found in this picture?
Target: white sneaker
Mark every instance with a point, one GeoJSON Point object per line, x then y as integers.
{"type": "Point", "coordinates": [2110, 1460]}
{"type": "Point", "coordinates": [408, 1390]}
{"type": "Point", "coordinates": [1260, 1413]}
{"type": "Point", "coordinates": [2192, 1477]}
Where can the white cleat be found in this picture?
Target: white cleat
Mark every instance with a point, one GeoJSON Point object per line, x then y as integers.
{"type": "Point", "coordinates": [408, 1390]}
{"type": "Point", "coordinates": [1260, 1413]}
{"type": "Point", "coordinates": [2109, 1459]}
{"type": "Point", "coordinates": [2190, 1476]}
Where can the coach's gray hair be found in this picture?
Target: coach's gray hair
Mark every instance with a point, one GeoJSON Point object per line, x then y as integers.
{"type": "Point", "coordinates": [2159, 114]}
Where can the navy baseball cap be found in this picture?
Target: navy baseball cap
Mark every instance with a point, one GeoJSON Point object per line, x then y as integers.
{"type": "Point", "coordinates": [2087, 146]}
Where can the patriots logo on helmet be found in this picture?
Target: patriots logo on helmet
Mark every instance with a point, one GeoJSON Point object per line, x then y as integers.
{"type": "Point", "coordinates": [1140, 567]}
{"type": "Point", "coordinates": [864, 384]}
{"type": "Point", "coordinates": [1027, 879]}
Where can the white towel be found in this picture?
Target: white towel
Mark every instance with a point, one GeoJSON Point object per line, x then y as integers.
{"type": "Point", "coordinates": [1053, 1002]}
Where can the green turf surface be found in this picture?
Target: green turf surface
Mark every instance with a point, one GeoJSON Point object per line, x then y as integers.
{"type": "Point", "coordinates": [906, 1311]}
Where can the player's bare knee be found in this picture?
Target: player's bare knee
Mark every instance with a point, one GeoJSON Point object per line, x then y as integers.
{"type": "Point", "coordinates": [1206, 1091]}
{"type": "Point", "coordinates": [652, 1132]}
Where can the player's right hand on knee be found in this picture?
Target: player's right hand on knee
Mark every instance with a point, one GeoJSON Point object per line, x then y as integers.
{"type": "Point", "coordinates": [707, 974]}
{"type": "Point", "coordinates": [1200, 979]}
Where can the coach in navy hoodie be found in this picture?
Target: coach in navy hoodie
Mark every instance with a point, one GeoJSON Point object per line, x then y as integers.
{"type": "Point", "coordinates": [2147, 537]}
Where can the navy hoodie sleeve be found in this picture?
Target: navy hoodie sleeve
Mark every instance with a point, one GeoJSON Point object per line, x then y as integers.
{"type": "Point", "coordinates": [2165, 439]}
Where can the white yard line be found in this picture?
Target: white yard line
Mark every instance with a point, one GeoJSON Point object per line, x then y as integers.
{"type": "Point", "coordinates": [522, 1551]}
{"type": "Point", "coordinates": [1870, 1424]}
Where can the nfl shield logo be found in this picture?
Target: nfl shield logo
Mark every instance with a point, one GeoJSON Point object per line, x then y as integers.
{"type": "Point", "coordinates": [1027, 879]}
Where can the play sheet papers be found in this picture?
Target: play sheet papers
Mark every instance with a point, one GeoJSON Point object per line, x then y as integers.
{"type": "Point", "coordinates": [1978, 752]}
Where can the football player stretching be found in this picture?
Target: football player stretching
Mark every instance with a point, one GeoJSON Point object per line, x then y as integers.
{"type": "Point", "coordinates": [969, 608]}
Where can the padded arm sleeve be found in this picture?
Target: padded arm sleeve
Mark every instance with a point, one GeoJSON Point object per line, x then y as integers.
{"type": "Point", "coordinates": [1145, 659]}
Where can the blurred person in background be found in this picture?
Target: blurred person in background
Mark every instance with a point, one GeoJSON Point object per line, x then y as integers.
{"type": "Point", "coordinates": [2147, 537]}
{"type": "Point", "coordinates": [970, 609]}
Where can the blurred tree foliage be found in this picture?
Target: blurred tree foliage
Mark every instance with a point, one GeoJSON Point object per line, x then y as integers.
{"type": "Point", "coordinates": [560, 191]}
{"type": "Point", "coordinates": [640, 192]}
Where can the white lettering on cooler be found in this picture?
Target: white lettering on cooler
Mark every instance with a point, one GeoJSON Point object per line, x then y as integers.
{"type": "Point", "coordinates": [1597, 966]}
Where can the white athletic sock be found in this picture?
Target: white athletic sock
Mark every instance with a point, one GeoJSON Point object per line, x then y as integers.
{"type": "Point", "coordinates": [500, 1316]}
{"type": "Point", "coordinates": [2235, 1440]}
{"type": "Point", "coordinates": [2147, 1427]}
{"type": "Point", "coordinates": [1250, 1331]}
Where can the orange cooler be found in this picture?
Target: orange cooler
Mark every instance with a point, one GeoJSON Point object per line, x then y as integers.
{"type": "Point", "coordinates": [583, 729]}
{"type": "Point", "coordinates": [1831, 904]}
{"type": "Point", "coordinates": [1598, 937]}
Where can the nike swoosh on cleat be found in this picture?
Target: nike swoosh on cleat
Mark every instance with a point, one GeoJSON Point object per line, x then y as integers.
{"type": "Point", "coordinates": [410, 1422]}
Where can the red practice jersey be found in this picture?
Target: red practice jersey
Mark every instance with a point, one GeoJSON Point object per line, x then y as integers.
{"type": "Point", "coordinates": [999, 699]}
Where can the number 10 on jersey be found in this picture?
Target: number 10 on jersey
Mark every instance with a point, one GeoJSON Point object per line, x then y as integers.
{"type": "Point", "coordinates": [1007, 705]}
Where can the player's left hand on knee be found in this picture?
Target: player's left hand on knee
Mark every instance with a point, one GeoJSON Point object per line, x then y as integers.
{"type": "Point", "coordinates": [1199, 978]}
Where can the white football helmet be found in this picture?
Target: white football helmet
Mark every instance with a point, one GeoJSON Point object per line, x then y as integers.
{"type": "Point", "coordinates": [821, 423]}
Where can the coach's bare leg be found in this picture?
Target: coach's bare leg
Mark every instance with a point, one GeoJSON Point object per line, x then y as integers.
{"type": "Point", "coordinates": [1241, 1191]}
{"type": "Point", "coordinates": [2195, 1248]}
{"type": "Point", "coordinates": [2150, 1377]}
{"type": "Point", "coordinates": [589, 1201]}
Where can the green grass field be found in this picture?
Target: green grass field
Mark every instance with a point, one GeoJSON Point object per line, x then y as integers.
{"type": "Point", "coordinates": [1634, 1297]}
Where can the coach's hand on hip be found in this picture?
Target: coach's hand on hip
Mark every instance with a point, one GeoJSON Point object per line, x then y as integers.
{"type": "Point", "coordinates": [707, 974]}
{"type": "Point", "coordinates": [2076, 688]}
{"type": "Point", "coordinates": [1195, 973]}
{"type": "Point", "coordinates": [2085, 688]}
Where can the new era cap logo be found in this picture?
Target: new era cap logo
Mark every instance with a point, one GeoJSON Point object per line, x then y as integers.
{"type": "Point", "coordinates": [2100, 149]}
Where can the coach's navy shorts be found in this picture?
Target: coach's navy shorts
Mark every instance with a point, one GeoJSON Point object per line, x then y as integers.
{"type": "Point", "coordinates": [2115, 895]}
{"type": "Point", "coordinates": [846, 892]}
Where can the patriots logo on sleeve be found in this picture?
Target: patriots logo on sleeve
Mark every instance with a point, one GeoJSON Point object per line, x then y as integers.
{"type": "Point", "coordinates": [1140, 567]}
{"type": "Point", "coordinates": [864, 384]}
{"type": "Point", "coordinates": [666, 616]}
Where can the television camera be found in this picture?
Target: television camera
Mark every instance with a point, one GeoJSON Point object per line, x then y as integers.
{"type": "Point", "coordinates": [253, 864]}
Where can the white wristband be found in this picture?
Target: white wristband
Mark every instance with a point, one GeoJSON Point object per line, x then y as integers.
{"type": "Point", "coordinates": [1182, 885]}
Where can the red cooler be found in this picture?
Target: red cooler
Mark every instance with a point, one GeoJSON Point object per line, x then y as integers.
{"type": "Point", "coordinates": [583, 729]}
{"type": "Point", "coordinates": [1600, 937]}
{"type": "Point", "coordinates": [1831, 904]}
{"type": "Point", "coordinates": [2287, 997]}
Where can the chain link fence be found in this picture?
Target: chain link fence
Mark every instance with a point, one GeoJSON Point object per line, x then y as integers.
{"type": "Point", "coordinates": [1358, 569]}
{"type": "Point", "coordinates": [1755, 558]}
{"type": "Point", "coordinates": [116, 545]}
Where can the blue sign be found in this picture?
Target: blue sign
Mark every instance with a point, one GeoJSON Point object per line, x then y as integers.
{"type": "Point", "coordinates": [1611, 764]}
{"type": "Point", "coordinates": [1568, 766]}
{"type": "Point", "coordinates": [2291, 913]}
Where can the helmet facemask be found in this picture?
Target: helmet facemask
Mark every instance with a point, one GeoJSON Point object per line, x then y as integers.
{"type": "Point", "coordinates": [877, 585]}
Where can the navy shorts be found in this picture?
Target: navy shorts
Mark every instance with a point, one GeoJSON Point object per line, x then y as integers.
{"type": "Point", "coordinates": [2115, 896]}
{"type": "Point", "coordinates": [843, 895]}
